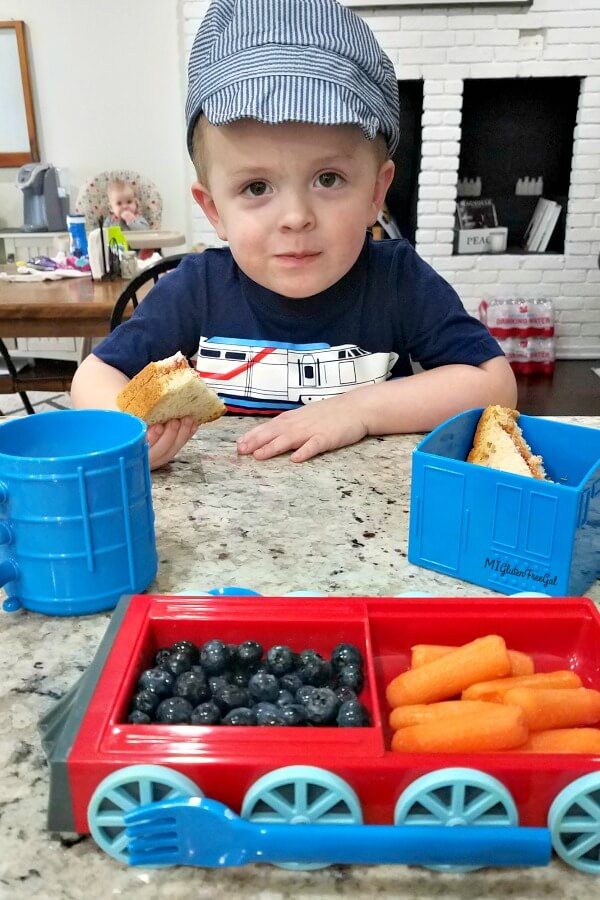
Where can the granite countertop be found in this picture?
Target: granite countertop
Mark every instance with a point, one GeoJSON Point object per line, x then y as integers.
{"type": "Point", "coordinates": [337, 524]}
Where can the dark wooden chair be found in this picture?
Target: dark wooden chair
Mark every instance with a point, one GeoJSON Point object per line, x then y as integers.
{"type": "Point", "coordinates": [47, 375]}
{"type": "Point", "coordinates": [130, 293]}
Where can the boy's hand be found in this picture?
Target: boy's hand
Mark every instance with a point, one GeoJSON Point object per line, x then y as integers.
{"type": "Point", "coordinates": [317, 428]}
{"type": "Point", "coordinates": [166, 440]}
{"type": "Point", "coordinates": [127, 216]}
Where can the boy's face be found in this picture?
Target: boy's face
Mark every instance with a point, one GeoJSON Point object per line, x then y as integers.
{"type": "Point", "coordinates": [122, 199]}
{"type": "Point", "coordinates": [293, 200]}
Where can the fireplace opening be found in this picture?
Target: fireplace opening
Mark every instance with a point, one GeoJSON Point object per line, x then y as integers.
{"type": "Point", "coordinates": [403, 191]}
{"type": "Point", "coordinates": [515, 129]}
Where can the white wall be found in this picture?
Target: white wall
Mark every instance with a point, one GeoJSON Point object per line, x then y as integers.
{"type": "Point", "coordinates": [108, 93]}
{"type": "Point", "coordinates": [446, 45]}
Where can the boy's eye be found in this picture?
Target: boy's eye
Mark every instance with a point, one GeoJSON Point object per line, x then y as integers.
{"type": "Point", "coordinates": [328, 179]}
{"type": "Point", "coordinates": [256, 188]}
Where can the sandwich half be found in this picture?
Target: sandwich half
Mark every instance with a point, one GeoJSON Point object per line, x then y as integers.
{"type": "Point", "coordinates": [170, 389]}
{"type": "Point", "coordinates": [499, 444]}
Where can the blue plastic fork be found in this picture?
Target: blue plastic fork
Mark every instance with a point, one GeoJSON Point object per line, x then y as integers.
{"type": "Point", "coordinates": [203, 832]}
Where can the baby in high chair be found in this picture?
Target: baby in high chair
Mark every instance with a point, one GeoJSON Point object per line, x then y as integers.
{"type": "Point", "coordinates": [124, 207]}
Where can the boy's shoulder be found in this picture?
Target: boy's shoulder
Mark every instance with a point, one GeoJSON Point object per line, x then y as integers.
{"type": "Point", "coordinates": [213, 263]}
{"type": "Point", "coordinates": [397, 250]}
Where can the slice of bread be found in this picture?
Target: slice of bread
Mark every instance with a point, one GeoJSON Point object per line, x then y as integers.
{"type": "Point", "coordinates": [170, 389]}
{"type": "Point", "coordinates": [499, 444]}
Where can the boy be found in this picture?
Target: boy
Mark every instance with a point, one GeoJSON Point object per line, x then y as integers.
{"type": "Point", "coordinates": [292, 116]}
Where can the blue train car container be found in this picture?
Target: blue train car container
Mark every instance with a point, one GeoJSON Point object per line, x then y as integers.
{"type": "Point", "coordinates": [508, 532]}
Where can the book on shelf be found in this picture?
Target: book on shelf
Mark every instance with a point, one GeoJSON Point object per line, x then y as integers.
{"type": "Point", "coordinates": [476, 212]}
{"type": "Point", "coordinates": [541, 225]}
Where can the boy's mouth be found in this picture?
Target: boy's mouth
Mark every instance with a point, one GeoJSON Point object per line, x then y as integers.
{"type": "Point", "coordinates": [297, 257]}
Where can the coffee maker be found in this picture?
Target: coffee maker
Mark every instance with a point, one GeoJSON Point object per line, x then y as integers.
{"type": "Point", "coordinates": [44, 209]}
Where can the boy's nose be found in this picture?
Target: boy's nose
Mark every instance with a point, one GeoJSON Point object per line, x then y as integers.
{"type": "Point", "coordinates": [296, 214]}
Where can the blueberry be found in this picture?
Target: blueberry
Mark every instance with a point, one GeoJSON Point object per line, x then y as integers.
{"type": "Point", "coordinates": [137, 717]}
{"type": "Point", "coordinates": [158, 680]}
{"type": "Point", "coordinates": [249, 654]}
{"type": "Point", "coordinates": [303, 693]}
{"type": "Point", "coordinates": [321, 706]}
{"type": "Point", "coordinates": [179, 661]}
{"type": "Point", "coordinates": [352, 714]}
{"type": "Point", "coordinates": [314, 670]}
{"type": "Point", "coordinates": [206, 714]}
{"type": "Point", "coordinates": [280, 660]}
{"type": "Point", "coordinates": [161, 657]}
{"type": "Point", "coordinates": [241, 677]}
{"type": "Point", "coordinates": [242, 715]}
{"type": "Point", "coordinates": [345, 655]}
{"type": "Point", "coordinates": [192, 686]}
{"type": "Point", "coordinates": [345, 693]}
{"type": "Point", "coordinates": [186, 647]}
{"type": "Point", "coordinates": [214, 657]}
{"type": "Point", "coordinates": [350, 676]}
{"type": "Point", "coordinates": [233, 653]}
{"type": "Point", "coordinates": [268, 717]}
{"type": "Point", "coordinates": [284, 698]}
{"type": "Point", "coordinates": [306, 655]}
{"type": "Point", "coordinates": [174, 710]}
{"type": "Point", "coordinates": [294, 714]}
{"type": "Point", "coordinates": [264, 686]}
{"type": "Point", "coordinates": [146, 702]}
{"type": "Point", "coordinates": [216, 682]}
{"type": "Point", "coordinates": [290, 682]}
{"type": "Point", "coordinates": [265, 706]}
{"type": "Point", "coordinates": [230, 696]}
{"type": "Point", "coordinates": [261, 667]}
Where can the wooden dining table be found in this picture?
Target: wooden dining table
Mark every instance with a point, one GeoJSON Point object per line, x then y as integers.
{"type": "Point", "coordinates": [69, 307]}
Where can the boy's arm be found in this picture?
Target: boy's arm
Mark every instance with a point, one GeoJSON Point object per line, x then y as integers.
{"type": "Point", "coordinates": [413, 404]}
{"type": "Point", "coordinates": [96, 385]}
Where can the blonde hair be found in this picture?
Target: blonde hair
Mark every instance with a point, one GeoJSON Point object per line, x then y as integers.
{"type": "Point", "coordinates": [117, 184]}
{"type": "Point", "coordinates": [199, 156]}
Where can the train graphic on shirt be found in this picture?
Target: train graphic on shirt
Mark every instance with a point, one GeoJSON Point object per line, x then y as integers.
{"type": "Point", "coordinates": [269, 376]}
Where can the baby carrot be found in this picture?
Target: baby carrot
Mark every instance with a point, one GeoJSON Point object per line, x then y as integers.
{"type": "Point", "coordinates": [556, 708]}
{"type": "Point", "coordinates": [520, 663]}
{"type": "Point", "coordinates": [471, 733]}
{"type": "Point", "coordinates": [562, 740]}
{"type": "Point", "coordinates": [481, 659]}
{"type": "Point", "coordinates": [494, 691]}
{"type": "Point", "coordinates": [417, 714]}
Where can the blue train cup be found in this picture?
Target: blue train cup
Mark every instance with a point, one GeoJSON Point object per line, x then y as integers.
{"type": "Point", "coordinates": [76, 517]}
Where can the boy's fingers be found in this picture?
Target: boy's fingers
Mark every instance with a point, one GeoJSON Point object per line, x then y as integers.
{"type": "Point", "coordinates": [258, 437]}
{"type": "Point", "coordinates": [153, 433]}
{"type": "Point", "coordinates": [313, 446]}
{"type": "Point", "coordinates": [255, 439]}
{"type": "Point", "coordinates": [171, 440]}
{"type": "Point", "coordinates": [280, 444]}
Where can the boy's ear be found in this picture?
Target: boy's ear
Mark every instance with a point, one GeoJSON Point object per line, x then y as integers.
{"type": "Point", "coordinates": [382, 183]}
{"type": "Point", "coordinates": [203, 198]}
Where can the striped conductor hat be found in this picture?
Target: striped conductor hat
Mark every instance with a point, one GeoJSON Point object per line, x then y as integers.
{"type": "Point", "coordinates": [280, 61]}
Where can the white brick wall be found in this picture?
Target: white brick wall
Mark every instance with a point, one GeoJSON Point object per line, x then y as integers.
{"type": "Point", "coordinates": [444, 46]}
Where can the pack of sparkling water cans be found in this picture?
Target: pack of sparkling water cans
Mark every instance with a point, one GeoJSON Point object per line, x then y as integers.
{"type": "Point", "coordinates": [524, 328]}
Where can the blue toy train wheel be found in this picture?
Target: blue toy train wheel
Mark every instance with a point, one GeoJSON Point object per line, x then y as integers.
{"type": "Point", "coordinates": [302, 795]}
{"type": "Point", "coordinates": [122, 792]}
{"type": "Point", "coordinates": [456, 796]}
{"type": "Point", "coordinates": [574, 820]}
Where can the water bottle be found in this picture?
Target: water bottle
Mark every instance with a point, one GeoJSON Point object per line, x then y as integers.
{"type": "Point", "coordinates": [77, 237]}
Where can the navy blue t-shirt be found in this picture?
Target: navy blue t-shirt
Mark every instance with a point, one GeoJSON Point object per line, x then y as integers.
{"type": "Point", "coordinates": [263, 352]}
